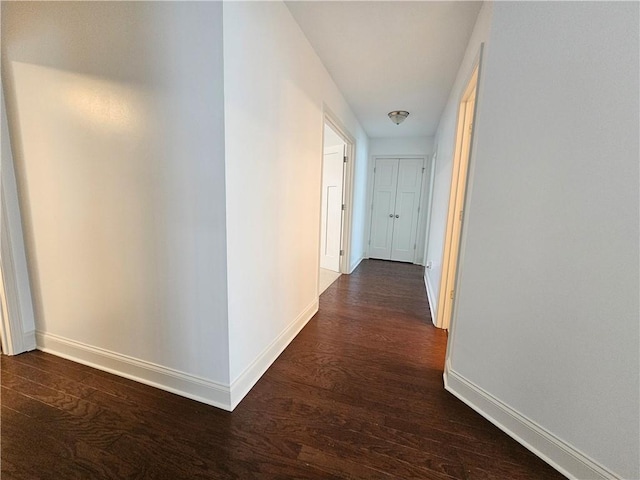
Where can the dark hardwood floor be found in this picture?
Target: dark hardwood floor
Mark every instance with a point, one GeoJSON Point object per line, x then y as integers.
{"type": "Point", "coordinates": [358, 394]}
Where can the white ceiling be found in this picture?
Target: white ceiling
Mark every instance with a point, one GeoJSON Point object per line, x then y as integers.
{"type": "Point", "coordinates": [388, 56]}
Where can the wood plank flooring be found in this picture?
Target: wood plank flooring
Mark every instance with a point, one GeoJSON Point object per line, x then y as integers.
{"type": "Point", "coordinates": [358, 394]}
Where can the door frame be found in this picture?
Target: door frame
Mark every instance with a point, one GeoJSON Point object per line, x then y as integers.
{"type": "Point", "coordinates": [459, 196]}
{"type": "Point", "coordinates": [424, 209]}
{"type": "Point", "coordinates": [329, 118]}
{"type": "Point", "coordinates": [17, 325]}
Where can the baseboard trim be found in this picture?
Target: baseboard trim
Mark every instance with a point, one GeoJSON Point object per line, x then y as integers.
{"type": "Point", "coordinates": [430, 298]}
{"type": "Point", "coordinates": [250, 376]}
{"type": "Point", "coordinates": [174, 381]}
{"type": "Point", "coordinates": [556, 452]}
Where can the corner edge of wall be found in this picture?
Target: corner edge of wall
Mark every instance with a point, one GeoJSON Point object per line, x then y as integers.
{"type": "Point", "coordinates": [241, 386]}
{"type": "Point", "coordinates": [430, 298]}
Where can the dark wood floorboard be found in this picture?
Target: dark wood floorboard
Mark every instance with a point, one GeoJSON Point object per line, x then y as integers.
{"type": "Point", "coordinates": [358, 394]}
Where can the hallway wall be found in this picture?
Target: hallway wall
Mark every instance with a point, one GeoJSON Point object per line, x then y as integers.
{"type": "Point", "coordinates": [401, 146]}
{"type": "Point", "coordinates": [116, 117]}
{"type": "Point", "coordinates": [545, 336]}
{"type": "Point", "coordinates": [275, 91]}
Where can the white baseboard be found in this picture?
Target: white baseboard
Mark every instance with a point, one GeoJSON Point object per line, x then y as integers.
{"type": "Point", "coordinates": [174, 381]}
{"type": "Point", "coordinates": [556, 452]}
{"type": "Point", "coordinates": [430, 298]}
{"type": "Point", "coordinates": [168, 379]}
{"type": "Point", "coordinates": [250, 376]}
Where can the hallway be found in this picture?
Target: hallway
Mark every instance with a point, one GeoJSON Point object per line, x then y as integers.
{"type": "Point", "coordinates": [358, 394]}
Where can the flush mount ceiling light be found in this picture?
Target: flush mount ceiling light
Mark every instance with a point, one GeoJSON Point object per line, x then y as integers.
{"type": "Point", "coordinates": [398, 116]}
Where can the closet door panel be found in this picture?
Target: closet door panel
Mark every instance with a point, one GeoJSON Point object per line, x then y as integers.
{"type": "Point", "coordinates": [383, 211]}
{"type": "Point", "coordinates": [406, 210]}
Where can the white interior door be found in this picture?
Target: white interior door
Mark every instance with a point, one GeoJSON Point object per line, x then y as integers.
{"type": "Point", "coordinates": [397, 187]}
{"type": "Point", "coordinates": [331, 223]}
{"type": "Point", "coordinates": [407, 207]}
{"type": "Point", "coordinates": [384, 202]}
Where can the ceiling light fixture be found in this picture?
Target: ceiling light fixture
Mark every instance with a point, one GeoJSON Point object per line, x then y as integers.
{"type": "Point", "coordinates": [398, 116]}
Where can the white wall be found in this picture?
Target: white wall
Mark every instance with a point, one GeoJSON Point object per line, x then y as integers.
{"type": "Point", "coordinates": [443, 150]}
{"type": "Point", "coordinates": [116, 116]}
{"type": "Point", "coordinates": [401, 146]}
{"type": "Point", "coordinates": [275, 91]}
{"type": "Point", "coordinates": [546, 325]}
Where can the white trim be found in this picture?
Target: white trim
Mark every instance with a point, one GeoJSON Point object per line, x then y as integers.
{"type": "Point", "coordinates": [458, 200]}
{"type": "Point", "coordinates": [174, 381]}
{"type": "Point", "coordinates": [164, 378]}
{"type": "Point", "coordinates": [16, 328]}
{"type": "Point", "coordinates": [556, 452]}
{"type": "Point", "coordinates": [247, 379]}
{"type": "Point", "coordinates": [430, 297]}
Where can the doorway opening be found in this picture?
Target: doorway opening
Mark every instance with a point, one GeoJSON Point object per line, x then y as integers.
{"type": "Point", "coordinates": [334, 212]}
{"type": "Point", "coordinates": [455, 216]}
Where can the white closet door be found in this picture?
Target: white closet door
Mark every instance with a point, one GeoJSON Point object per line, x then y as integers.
{"type": "Point", "coordinates": [406, 212]}
{"type": "Point", "coordinates": [383, 213]}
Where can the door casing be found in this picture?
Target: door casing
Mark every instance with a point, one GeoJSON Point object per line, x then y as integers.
{"type": "Point", "coordinates": [457, 200]}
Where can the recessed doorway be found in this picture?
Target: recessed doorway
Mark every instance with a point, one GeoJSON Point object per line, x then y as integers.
{"type": "Point", "coordinates": [333, 205]}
